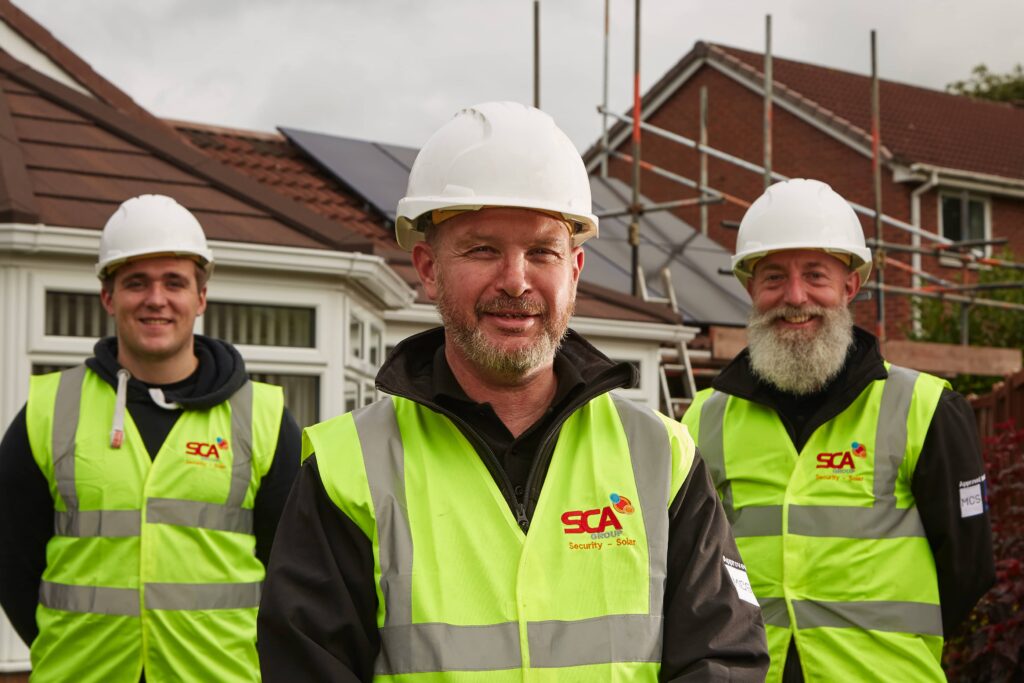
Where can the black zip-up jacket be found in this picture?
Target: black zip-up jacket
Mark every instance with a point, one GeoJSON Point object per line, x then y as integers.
{"type": "Point", "coordinates": [318, 617]}
{"type": "Point", "coordinates": [951, 454]}
{"type": "Point", "coordinates": [26, 507]}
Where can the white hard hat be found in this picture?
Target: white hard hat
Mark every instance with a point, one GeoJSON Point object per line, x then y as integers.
{"type": "Point", "coordinates": [800, 214]}
{"type": "Point", "coordinates": [151, 224]}
{"type": "Point", "coordinates": [497, 154]}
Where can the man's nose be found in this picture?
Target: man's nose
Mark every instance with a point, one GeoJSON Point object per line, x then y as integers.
{"type": "Point", "coordinates": [795, 294]}
{"type": "Point", "coordinates": [156, 296]}
{"type": "Point", "coordinates": [513, 277]}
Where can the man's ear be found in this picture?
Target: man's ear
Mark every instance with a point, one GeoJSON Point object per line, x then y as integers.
{"type": "Point", "coordinates": [577, 263]}
{"type": "Point", "coordinates": [107, 299]}
{"type": "Point", "coordinates": [425, 263]}
{"type": "Point", "coordinates": [852, 285]}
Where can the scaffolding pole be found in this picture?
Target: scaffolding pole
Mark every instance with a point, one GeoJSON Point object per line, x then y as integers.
{"type": "Point", "coordinates": [604, 95]}
{"type": "Point", "coordinates": [876, 172]}
{"type": "Point", "coordinates": [536, 53]}
{"type": "Point", "coordinates": [683, 180]}
{"type": "Point", "coordinates": [955, 298]}
{"type": "Point", "coordinates": [703, 158]}
{"type": "Point", "coordinates": [767, 100]}
{"type": "Point", "coordinates": [634, 225]}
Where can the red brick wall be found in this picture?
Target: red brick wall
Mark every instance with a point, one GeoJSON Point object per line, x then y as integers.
{"type": "Point", "coordinates": [735, 125]}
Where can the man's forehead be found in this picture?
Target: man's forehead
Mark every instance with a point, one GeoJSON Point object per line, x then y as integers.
{"type": "Point", "coordinates": [802, 258]}
{"type": "Point", "coordinates": [511, 224]}
{"type": "Point", "coordinates": [160, 266]}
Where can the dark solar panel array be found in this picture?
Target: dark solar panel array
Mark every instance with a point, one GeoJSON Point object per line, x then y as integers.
{"type": "Point", "coordinates": [377, 172]}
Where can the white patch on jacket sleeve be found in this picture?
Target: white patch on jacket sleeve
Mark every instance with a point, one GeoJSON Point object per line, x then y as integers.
{"type": "Point", "coordinates": [972, 497]}
{"type": "Point", "coordinates": [738, 574]}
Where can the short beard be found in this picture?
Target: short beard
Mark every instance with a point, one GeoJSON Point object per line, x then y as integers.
{"type": "Point", "coordinates": [506, 365]}
{"type": "Point", "coordinates": [796, 361]}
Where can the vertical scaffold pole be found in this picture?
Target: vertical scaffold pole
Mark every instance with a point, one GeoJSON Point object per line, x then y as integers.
{"type": "Point", "coordinates": [536, 53]}
{"type": "Point", "coordinates": [634, 225]}
{"type": "Point", "coordinates": [604, 98]}
{"type": "Point", "coordinates": [703, 158]}
{"type": "Point", "coordinates": [768, 100]}
{"type": "Point", "coordinates": [876, 170]}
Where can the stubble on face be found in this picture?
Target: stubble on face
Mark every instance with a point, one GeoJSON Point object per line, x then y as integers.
{"type": "Point", "coordinates": [799, 361]}
{"type": "Point", "coordinates": [507, 364]}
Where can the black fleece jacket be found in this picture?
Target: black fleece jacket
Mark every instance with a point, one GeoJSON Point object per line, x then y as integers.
{"type": "Point", "coordinates": [318, 616]}
{"type": "Point", "coordinates": [26, 507]}
{"type": "Point", "coordinates": [951, 453]}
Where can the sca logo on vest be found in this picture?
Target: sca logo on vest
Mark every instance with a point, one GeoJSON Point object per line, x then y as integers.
{"type": "Point", "coordinates": [842, 462]}
{"type": "Point", "coordinates": [206, 454]}
{"type": "Point", "coordinates": [600, 523]}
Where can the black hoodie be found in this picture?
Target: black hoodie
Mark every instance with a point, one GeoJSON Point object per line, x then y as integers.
{"type": "Point", "coordinates": [318, 615]}
{"type": "Point", "coordinates": [26, 507]}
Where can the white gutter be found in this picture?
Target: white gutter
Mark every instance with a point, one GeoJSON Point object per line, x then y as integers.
{"type": "Point", "coordinates": [969, 180]}
{"type": "Point", "coordinates": [915, 238]}
{"type": "Point", "coordinates": [370, 273]}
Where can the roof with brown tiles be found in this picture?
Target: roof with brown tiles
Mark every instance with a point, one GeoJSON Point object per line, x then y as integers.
{"type": "Point", "coordinates": [918, 125]}
{"type": "Point", "coordinates": [68, 160]}
{"type": "Point", "coordinates": [276, 162]}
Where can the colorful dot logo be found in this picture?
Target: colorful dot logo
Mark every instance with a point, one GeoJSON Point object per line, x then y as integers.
{"type": "Point", "coordinates": [859, 450]}
{"type": "Point", "coordinates": [622, 504]}
{"type": "Point", "coordinates": [222, 444]}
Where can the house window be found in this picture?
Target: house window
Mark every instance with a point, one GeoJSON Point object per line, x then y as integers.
{"type": "Point", "coordinates": [261, 325]}
{"type": "Point", "coordinates": [74, 314]}
{"type": "Point", "coordinates": [355, 337]}
{"type": "Point", "coordinates": [351, 395]}
{"type": "Point", "coordinates": [301, 394]}
{"type": "Point", "coordinates": [965, 218]}
{"type": "Point", "coordinates": [376, 345]}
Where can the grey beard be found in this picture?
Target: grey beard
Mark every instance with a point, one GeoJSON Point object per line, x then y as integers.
{"type": "Point", "coordinates": [474, 345]}
{"type": "Point", "coordinates": [794, 360]}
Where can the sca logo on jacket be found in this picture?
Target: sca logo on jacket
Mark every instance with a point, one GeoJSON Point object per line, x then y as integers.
{"type": "Point", "coordinates": [600, 523]}
{"type": "Point", "coordinates": [842, 460]}
{"type": "Point", "coordinates": [203, 453]}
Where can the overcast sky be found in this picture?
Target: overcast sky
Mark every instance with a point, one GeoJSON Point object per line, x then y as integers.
{"type": "Point", "coordinates": [395, 70]}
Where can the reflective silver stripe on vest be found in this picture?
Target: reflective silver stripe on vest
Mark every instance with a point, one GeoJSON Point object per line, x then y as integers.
{"type": "Point", "coordinates": [202, 596]}
{"type": "Point", "coordinates": [613, 638]}
{"type": "Point", "coordinates": [883, 519]}
{"type": "Point", "coordinates": [712, 448]}
{"type": "Point", "coordinates": [651, 454]}
{"type": "Point", "coordinates": [109, 523]}
{"type": "Point", "coordinates": [193, 513]}
{"type": "Point", "coordinates": [91, 599]}
{"type": "Point", "coordinates": [241, 444]}
{"type": "Point", "coordinates": [413, 648]}
{"type": "Point", "coordinates": [899, 617]}
{"type": "Point", "coordinates": [384, 460]}
{"type": "Point", "coordinates": [757, 520]}
{"type": "Point", "coordinates": [774, 612]}
{"type": "Point", "coordinates": [65, 425]}
{"type": "Point", "coordinates": [409, 648]}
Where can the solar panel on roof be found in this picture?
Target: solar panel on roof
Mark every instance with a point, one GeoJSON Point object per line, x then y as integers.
{"type": "Point", "coordinates": [378, 173]}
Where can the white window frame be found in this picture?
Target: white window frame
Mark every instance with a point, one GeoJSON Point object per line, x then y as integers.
{"type": "Point", "coordinates": [986, 202]}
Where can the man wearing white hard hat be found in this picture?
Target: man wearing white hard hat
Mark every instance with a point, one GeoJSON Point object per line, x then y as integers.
{"type": "Point", "coordinates": [140, 492]}
{"type": "Point", "coordinates": [855, 488]}
{"type": "Point", "coordinates": [503, 515]}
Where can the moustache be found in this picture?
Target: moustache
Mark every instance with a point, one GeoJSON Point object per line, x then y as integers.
{"type": "Point", "coordinates": [508, 304]}
{"type": "Point", "coordinates": [791, 312]}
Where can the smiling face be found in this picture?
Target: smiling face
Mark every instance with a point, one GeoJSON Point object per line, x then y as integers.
{"type": "Point", "coordinates": [504, 281]}
{"type": "Point", "coordinates": [155, 303]}
{"type": "Point", "coordinates": [800, 328]}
